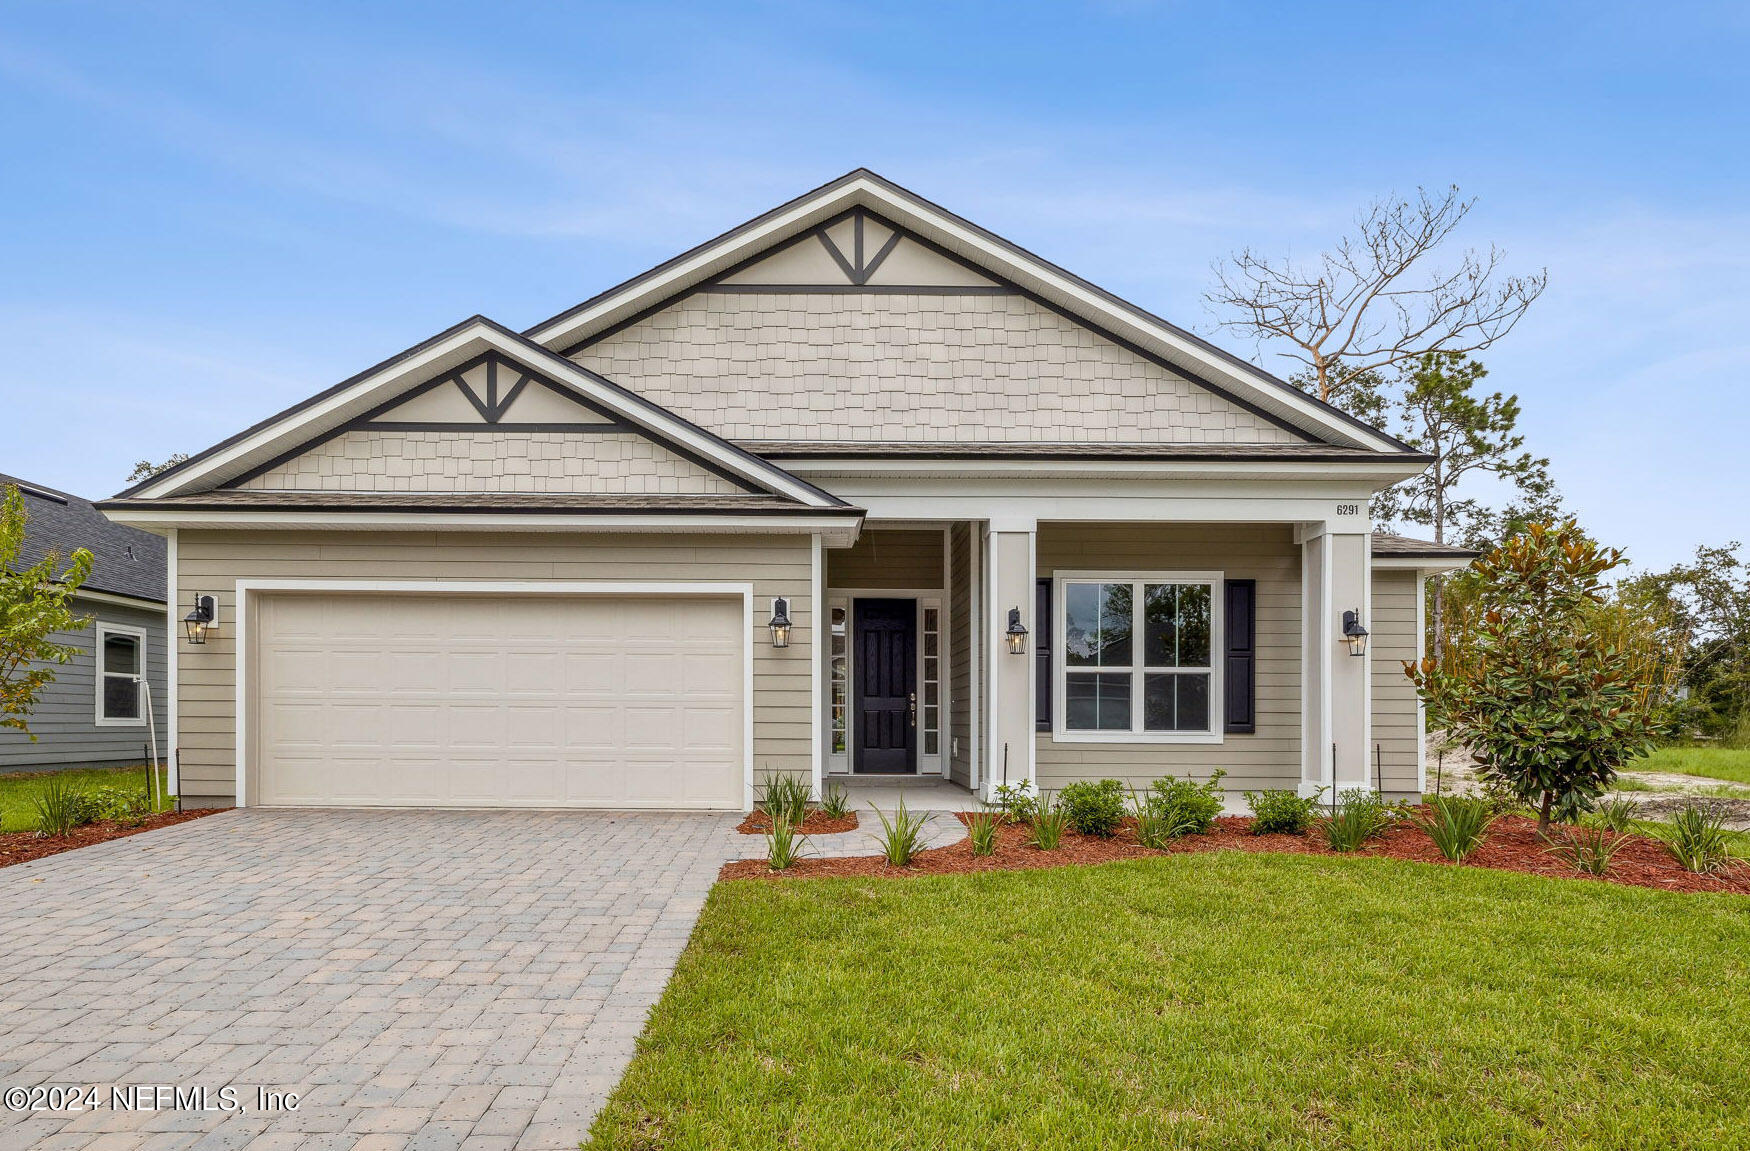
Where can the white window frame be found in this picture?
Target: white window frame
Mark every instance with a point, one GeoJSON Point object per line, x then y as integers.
{"type": "Point", "coordinates": [1060, 730]}
{"type": "Point", "coordinates": [138, 635]}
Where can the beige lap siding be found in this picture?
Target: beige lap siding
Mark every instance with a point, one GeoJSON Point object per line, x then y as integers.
{"type": "Point", "coordinates": [1396, 722]}
{"type": "Point", "coordinates": [888, 558]}
{"type": "Point", "coordinates": [213, 562]}
{"type": "Point", "coordinates": [1266, 553]}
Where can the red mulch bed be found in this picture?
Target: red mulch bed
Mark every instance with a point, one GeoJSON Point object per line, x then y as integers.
{"type": "Point", "coordinates": [24, 846]}
{"type": "Point", "coordinates": [1512, 845]}
{"type": "Point", "coordinates": [817, 823]}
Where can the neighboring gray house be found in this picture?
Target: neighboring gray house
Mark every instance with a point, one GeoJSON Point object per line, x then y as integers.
{"type": "Point", "coordinates": [94, 712]}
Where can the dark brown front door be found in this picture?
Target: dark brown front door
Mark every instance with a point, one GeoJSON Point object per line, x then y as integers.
{"type": "Point", "coordinates": [887, 714]}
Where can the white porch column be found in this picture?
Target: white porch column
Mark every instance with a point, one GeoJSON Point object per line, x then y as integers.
{"type": "Point", "coordinates": [1337, 719]}
{"type": "Point", "coordinates": [1009, 566]}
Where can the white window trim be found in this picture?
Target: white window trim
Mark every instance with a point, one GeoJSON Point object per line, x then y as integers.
{"type": "Point", "coordinates": [1060, 732]}
{"type": "Point", "coordinates": [138, 635]}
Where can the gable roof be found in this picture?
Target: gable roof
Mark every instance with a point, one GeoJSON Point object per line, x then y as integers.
{"type": "Point", "coordinates": [126, 561]}
{"type": "Point", "coordinates": [960, 239]}
{"type": "Point", "coordinates": [441, 358]}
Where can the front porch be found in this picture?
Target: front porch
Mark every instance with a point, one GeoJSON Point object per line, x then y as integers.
{"type": "Point", "coordinates": [1151, 648]}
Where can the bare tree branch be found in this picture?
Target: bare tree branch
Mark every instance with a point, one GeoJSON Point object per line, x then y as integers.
{"type": "Point", "coordinates": [1361, 307]}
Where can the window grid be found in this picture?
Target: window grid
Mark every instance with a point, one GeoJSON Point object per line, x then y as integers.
{"type": "Point", "coordinates": [1122, 691]}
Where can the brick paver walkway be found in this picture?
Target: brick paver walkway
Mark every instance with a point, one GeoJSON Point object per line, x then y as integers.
{"type": "Point", "coordinates": [423, 980]}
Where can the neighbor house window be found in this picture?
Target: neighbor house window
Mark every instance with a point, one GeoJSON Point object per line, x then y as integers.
{"type": "Point", "coordinates": [1137, 657]}
{"type": "Point", "coordinates": [121, 661]}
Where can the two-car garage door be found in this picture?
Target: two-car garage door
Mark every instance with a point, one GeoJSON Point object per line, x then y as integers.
{"type": "Point", "coordinates": [519, 700]}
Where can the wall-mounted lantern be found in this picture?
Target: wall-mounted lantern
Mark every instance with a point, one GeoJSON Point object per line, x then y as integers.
{"type": "Point", "coordinates": [1017, 633]}
{"type": "Point", "coordinates": [1354, 634]}
{"type": "Point", "coordinates": [780, 622]}
{"type": "Point", "coordinates": [203, 619]}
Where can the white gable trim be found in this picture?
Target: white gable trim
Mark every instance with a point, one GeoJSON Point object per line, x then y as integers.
{"type": "Point", "coordinates": [291, 429]}
{"type": "Point", "coordinates": [1202, 361]}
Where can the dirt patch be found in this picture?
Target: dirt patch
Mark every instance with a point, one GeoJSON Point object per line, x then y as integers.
{"type": "Point", "coordinates": [24, 846]}
{"type": "Point", "coordinates": [1512, 845]}
{"type": "Point", "coordinates": [817, 823]}
{"type": "Point", "coordinates": [1657, 806]}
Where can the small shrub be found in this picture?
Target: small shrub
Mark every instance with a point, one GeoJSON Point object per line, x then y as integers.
{"type": "Point", "coordinates": [1017, 801]}
{"type": "Point", "coordinates": [784, 844]}
{"type": "Point", "coordinates": [1697, 838]}
{"type": "Point", "coordinates": [1456, 824]}
{"type": "Point", "coordinates": [120, 804]}
{"type": "Point", "coordinates": [1157, 826]}
{"type": "Point", "coordinates": [1049, 820]}
{"type": "Point", "coordinates": [981, 828]}
{"type": "Point", "coordinates": [835, 804]}
{"type": "Point", "coordinates": [1589, 849]}
{"type": "Point", "coordinates": [1279, 811]}
{"type": "Point", "coordinates": [903, 836]}
{"type": "Point", "coordinates": [1094, 808]}
{"type": "Point", "coordinates": [1359, 817]}
{"type": "Point", "coordinates": [1616, 814]}
{"type": "Point", "coordinates": [784, 797]}
{"type": "Point", "coordinates": [60, 807]}
{"type": "Point", "coordinates": [1180, 801]}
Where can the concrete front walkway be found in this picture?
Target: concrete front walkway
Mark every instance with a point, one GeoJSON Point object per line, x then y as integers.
{"type": "Point", "coordinates": [422, 980]}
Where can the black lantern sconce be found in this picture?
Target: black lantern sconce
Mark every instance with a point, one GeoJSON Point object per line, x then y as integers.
{"type": "Point", "coordinates": [1354, 634]}
{"type": "Point", "coordinates": [780, 624]}
{"type": "Point", "coordinates": [203, 619]}
{"type": "Point", "coordinates": [1017, 633]}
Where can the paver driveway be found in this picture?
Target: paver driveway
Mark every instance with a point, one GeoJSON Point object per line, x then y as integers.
{"type": "Point", "coordinates": [421, 979]}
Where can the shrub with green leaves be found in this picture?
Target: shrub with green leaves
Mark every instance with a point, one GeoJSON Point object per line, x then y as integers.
{"type": "Point", "coordinates": [784, 844]}
{"type": "Point", "coordinates": [1617, 814]}
{"type": "Point", "coordinates": [902, 837]}
{"type": "Point", "coordinates": [1457, 824]}
{"type": "Point", "coordinates": [1281, 811]}
{"type": "Point", "coordinates": [981, 829]}
{"type": "Point", "coordinates": [1697, 838]}
{"type": "Point", "coordinates": [1094, 808]}
{"type": "Point", "coordinates": [1017, 801]}
{"type": "Point", "coordinates": [1157, 827]}
{"type": "Point", "coordinates": [1049, 820]}
{"type": "Point", "coordinates": [60, 807]}
{"type": "Point", "coordinates": [1359, 816]}
{"type": "Point", "coordinates": [119, 804]}
{"type": "Point", "coordinates": [835, 804]}
{"type": "Point", "coordinates": [1185, 802]}
{"type": "Point", "coordinates": [784, 796]}
{"type": "Point", "coordinates": [1588, 850]}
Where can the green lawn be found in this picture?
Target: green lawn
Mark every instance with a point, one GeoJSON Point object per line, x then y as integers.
{"type": "Point", "coordinates": [1728, 763]}
{"type": "Point", "coordinates": [1220, 1000]}
{"type": "Point", "coordinates": [17, 790]}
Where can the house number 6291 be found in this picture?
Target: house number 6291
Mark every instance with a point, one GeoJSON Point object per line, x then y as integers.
{"type": "Point", "coordinates": [1348, 509]}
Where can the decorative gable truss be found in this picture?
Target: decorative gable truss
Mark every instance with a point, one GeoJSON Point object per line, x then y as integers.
{"type": "Point", "coordinates": [859, 250]}
{"type": "Point", "coordinates": [481, 411]}
{"type": "Point", "coordinates": [493, 425]}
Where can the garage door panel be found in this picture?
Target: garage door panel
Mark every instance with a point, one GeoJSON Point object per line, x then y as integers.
{"type": "Point", "coordinates": [500, 701]}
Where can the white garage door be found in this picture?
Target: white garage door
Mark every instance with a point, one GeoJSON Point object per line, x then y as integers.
{"type": "Point", "coordinates": [499, 701]}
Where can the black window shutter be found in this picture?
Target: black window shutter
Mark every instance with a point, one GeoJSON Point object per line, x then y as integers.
{"type": "Point", "coordinates": [1241, 662]}
{"type": "Point", "coordinates": [1042, 633]}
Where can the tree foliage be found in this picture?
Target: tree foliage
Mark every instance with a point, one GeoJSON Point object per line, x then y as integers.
{"type": "Point", "coordinates": [146, 469]}
{"type": "Point", "coordinates": [34, 603]}
{"type": "Point", "coordinates": [1373, 301]}
{"type": "Point", "coordinates": [1550, 687]}
{"type": "Point", "coordinates": [1710, 599]}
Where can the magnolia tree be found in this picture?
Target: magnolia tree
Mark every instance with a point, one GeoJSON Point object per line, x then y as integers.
{"type": "Point", "coordinates": [1549, 702]}
{"type": "Point", "coordinates": [33, 608]}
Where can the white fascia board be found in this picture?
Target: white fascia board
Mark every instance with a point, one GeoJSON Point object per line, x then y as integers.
{"type": "Point", "coordinates": [1427, 565]}
{"type": "Point", "coordinates": [119, 600]}
{"type": "Point", "coordinates": [835, 531]}
{"type": "Point", "coordinates": [980, 249]}
{"type": "Point", "coordinates": [469, 340]}
{"type": "Point", "coordinates": [1376, 474]}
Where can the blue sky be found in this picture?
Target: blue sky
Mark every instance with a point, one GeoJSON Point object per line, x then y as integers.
{"type": "Point", "coordinates": [207, 213]}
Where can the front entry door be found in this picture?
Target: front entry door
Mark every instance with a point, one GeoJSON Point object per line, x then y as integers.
{"type": "Point", "coordinates": [887, 703]}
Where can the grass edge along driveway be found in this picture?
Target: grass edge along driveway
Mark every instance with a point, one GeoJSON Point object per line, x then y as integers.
{"type": "Point", "coordinates": [1220, 1000]}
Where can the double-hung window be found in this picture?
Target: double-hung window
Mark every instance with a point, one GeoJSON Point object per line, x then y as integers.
{"type": "Point", "coordinates": [1137, 657]}
{"type": "Point", "coordinates": [121, 664]}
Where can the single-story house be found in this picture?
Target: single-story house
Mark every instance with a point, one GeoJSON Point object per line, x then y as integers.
{"type": "Point", "coordinates": [95, 711]}
{"type": "Point", "coordinates": [857, 487]}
